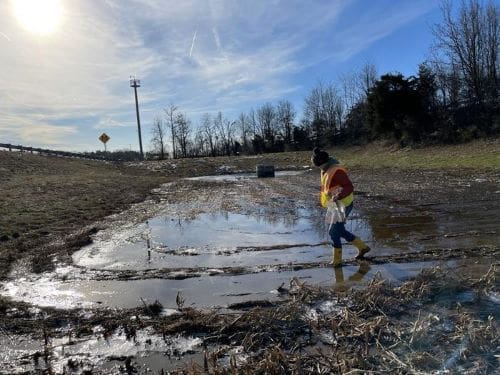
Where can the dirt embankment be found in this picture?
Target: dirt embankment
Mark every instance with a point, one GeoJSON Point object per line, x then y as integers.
{"type": "Point", "coordinates": [44, 198]}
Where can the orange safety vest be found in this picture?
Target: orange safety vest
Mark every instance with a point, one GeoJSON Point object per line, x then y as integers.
{"type": "Point", "coordinates": [326, 179]}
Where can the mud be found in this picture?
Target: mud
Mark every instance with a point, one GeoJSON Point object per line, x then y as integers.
{"type": "Point", "coordinates": [211, 251]}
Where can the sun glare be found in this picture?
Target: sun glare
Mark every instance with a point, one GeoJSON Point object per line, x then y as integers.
{"type": "Point", "coordinates": [41, 17]}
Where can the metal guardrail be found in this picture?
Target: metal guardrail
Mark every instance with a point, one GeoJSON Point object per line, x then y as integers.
{"type": "Point", "coordinates": [43, 151]}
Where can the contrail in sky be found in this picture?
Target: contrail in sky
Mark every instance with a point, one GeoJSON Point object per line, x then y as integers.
{"type": "Point", "coordinates": [192, 43]}
{"type": "Point", "coordinates": [216, 38]}
{"type": "Point", "coordinates": [5, 36]}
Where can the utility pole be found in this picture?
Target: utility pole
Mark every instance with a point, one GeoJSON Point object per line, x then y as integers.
{"type": "Point", "coordinates": [135, 83]}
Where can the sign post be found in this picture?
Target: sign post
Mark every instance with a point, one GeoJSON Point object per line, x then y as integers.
{"type": "Point", "coordinates": [104, 138]}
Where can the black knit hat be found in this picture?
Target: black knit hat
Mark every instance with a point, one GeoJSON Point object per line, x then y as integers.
{"type": "Point", "coordinates": [319, 157]}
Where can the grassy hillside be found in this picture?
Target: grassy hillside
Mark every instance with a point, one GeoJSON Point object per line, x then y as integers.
{"type": "Point", "coordinates": [478, 154]}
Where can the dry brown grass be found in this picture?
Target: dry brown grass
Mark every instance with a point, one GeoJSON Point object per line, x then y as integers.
{"type": "Point", "coordinates": [46, 198]}
{"type": "Point", "coordinates": [385, 328]}
{"type": "Point", "coordinates": [382, 329]}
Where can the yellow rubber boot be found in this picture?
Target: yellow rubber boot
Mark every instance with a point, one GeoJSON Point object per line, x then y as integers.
{"type": "Point", "coordinates": [337, 256]}
{"type": "Point", "coordinates": [339, 279]}
{"type": "Point", "coordinates": [362, 247]}
{"type": "Point", "coordinates": [339, 275]}
{"type": "Point", "coordinates": [362, 271]}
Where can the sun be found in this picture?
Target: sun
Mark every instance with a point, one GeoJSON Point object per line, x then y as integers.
{"type": "Point", "coordinates": [41, 17]}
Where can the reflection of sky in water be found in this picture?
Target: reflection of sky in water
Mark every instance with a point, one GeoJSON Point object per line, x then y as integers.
{"type": "Point", "coordinates": [90, 352]}
{"type": "Point", "coordinates": [216, 240]}
{"type": "Point", "coordinates": [118, 345]}
{"type": "Point", "coordinates": [205, 291]}
{"type": "Point", "coordinates": [231, 230]}
{"type": "Point", "coordinates": [242, 176]}
{"type": "Point", "coordinates": [213, 241]}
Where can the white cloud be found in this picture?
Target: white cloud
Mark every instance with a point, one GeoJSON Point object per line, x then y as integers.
{"type": "Point", "coordinates": [30, 130]}
{"type": "Point", "coordinates": [46, 133]}
{"type": "Point", "coordinates": [204, 56]}
{"type": "Point", "coordinates": [110, 123]}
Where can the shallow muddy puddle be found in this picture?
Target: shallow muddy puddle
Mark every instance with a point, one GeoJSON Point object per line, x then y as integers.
{"type": "Point", "coordinates": [243, 176]}
{"type": "Point", "coordinates": [213, 259]}
{"type": "Point", "coordinates": [203, 292]}
{"type": "Point", "coordinates": [414, 227]}
{"type": "Point", "coordinates": [17, 353]}
{"type": "Point", "coordinates": [209, 240]}
{"type": "Point", "coordinates": [148, 350]}
{"type": "Point", "coordinates": [216, 260]}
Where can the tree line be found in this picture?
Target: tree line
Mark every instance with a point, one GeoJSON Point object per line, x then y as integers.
{"type": "Point", "coordinates": [454, 97]}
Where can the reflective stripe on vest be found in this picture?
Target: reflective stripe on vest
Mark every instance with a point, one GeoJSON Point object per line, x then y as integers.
{"type": "Point", "coordinates": [326, 179]}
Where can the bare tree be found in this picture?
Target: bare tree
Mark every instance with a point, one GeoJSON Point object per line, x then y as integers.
{"type": "Point", "coordinates": [158, 137]}
{"type": "Point", "coordinates": [216, 127]}
{"type": "Point", "coordinates": [366, 79]}
{"type": "Point", "coordinates": [266, 121]}
{"type": "Point", "coordinates": [225, 131]}
{"type": "Point", "coordinates": [252, 118]}
{"type": "Point", "coordinates": [245, 128]}
{"type": "Point", "coordinates": [448, 83]}
{"type": "Point", "coordinates": [200, 143]}
{"type": "Point", "coordinates": [321, 109]}
{"type": "Point", "coordinates": [339, 112]}
{"type": "Point", "coordinates": [183, 132]}
{"type": "Point", "coordinates": [285, 115]}
{"type": "Point", "coordinates": [330, 101]}
{"type": "Point", "coordinates": [492, 45]}
{"type": "Point", "coordinates": [469, 39]}
{"type": "Point", "coordinates": [170, 116]}
{"type": "Point", "coordinates": [356, 85]}
{"type": "Point", "coordinates": [350, 93]}
{"type": "Point", "coordinates": [208, 133]}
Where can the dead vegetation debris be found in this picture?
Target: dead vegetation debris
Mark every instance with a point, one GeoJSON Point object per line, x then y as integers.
{"type": "Point", "coordinates": [381, 329]}
{"type": "Point", "coordinates": [384, 328]}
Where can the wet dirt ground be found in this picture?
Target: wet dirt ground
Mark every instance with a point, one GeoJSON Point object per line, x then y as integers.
{"type": "Point", "coordinates": [216, 249]}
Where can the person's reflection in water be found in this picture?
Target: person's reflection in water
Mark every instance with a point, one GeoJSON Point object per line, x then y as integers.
{"type": "Point", "coordinates": [364, 268]}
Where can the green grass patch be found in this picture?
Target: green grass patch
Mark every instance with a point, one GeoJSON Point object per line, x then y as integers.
{"type": "Point", "coordinates": [478, 154]}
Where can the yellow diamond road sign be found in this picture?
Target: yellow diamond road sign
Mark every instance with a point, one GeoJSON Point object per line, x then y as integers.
{"type": "Point", "coordinates": [104, 138]}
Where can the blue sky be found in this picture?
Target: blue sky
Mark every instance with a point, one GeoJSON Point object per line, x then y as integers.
{"type": "Point", "coordinates": [62, 88]}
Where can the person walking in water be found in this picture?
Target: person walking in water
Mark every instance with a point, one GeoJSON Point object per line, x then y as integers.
{"type": "Point", "coordinates": [336, 186]}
